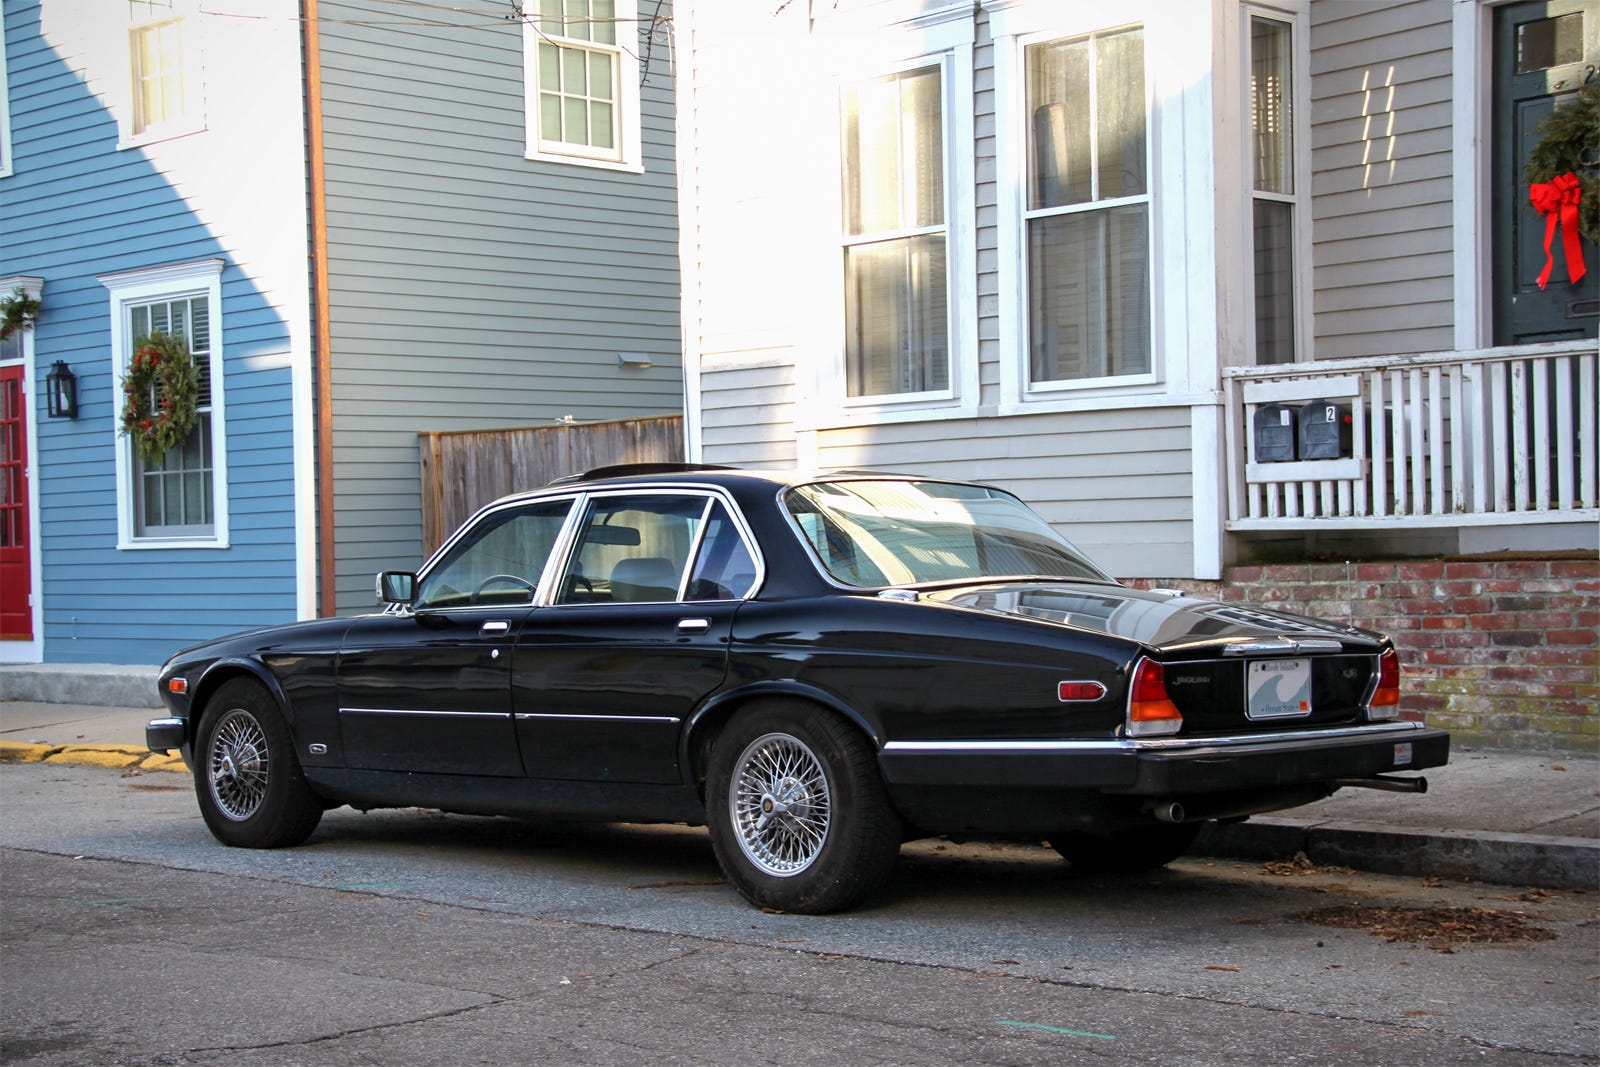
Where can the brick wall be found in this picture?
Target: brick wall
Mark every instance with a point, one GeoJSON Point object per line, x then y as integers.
{"type": "Point", "coordinates": [1503, 653]}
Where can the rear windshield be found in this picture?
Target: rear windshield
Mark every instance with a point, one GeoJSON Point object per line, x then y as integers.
{"type": "Point", "coordinates": [887, 533]}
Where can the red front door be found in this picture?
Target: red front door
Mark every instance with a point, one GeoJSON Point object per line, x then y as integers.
{"type": "Point", "coordinates": [16, 573]}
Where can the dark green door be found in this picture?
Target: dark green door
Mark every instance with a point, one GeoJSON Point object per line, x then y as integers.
{"type": "Point", "coordinates": [1543, 51]}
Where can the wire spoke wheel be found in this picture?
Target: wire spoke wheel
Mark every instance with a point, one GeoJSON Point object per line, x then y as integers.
{"type": "Point", "coordinates": [238, 765]}
{"type": "Point", "coordinates": [780, 804]}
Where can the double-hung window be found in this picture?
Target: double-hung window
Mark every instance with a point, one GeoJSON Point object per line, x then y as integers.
{"type": "Point", "coordinates": [895, 242]}
{"type": "Point", "coordinates": [1087, 216]}
{"type": "Point", "coordinates": [583, 82]}
{"type": "Point", "coordinates": [178, 499]}
{"type": "Point", "coordinates": [163, 73]}
{"type": "Point", "coordinates": [1272, 196]}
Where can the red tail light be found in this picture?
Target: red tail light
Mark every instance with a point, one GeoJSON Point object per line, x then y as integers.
{"type": "Point", "coordinates": [1151, 713]}
{"type": "Point", "coordinates": [1385, 702]}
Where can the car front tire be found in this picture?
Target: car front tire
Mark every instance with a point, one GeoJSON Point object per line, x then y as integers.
{"type": "Point", "coordinates": [798, 815]}
{"type": "Point", "coordinates": [252, 792]}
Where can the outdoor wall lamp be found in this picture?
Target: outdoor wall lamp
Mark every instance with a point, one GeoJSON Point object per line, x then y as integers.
{"type": "Point", "coordinates": [61, 386]}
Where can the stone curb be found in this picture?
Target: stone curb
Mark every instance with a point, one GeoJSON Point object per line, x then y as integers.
{"type": "Point", "coordinates": [115, 757]}
{"type": "Point", "coordinates": [1477, 855]}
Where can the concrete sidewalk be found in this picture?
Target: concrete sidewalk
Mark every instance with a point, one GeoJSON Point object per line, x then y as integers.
{"type": "Point", "coordinates": [1510, 817]}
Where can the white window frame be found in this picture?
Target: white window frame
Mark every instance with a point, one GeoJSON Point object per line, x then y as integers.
{"type": "Point", "coordinates": [144, 15]}
{"type": "Point", "coordinates": [1182, 197]}
{"type": "Point", "coordinates": [199, 278]}
{"type": "Point", "coordinates": [860, 50]}
{"type": "Point", "coordinates": [628, 155]}
{"type": "Point", "coordinates": [1300, 160]}
{"type": "Point", "coordinates": [7, 164]}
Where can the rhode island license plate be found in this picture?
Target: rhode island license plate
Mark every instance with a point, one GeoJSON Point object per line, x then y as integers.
{"type": "Point", "coordinates": [1278, 688]}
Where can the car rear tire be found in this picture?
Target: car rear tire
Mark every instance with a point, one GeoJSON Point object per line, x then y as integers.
{"type": "Point", "coordinates": [799, 817]}
{"type": "Point", "coordinates": [1128, 852]}
{"type": "Point", "coordinates": [251, 789]}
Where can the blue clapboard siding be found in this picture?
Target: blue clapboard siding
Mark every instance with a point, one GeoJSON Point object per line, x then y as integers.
{"type": "Point", "coordinates": [472, 288]}
{"type": "Point", "coordinates": [76, 208]}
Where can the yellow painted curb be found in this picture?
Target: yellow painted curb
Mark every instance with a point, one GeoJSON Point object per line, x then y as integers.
{"type": "Point", "coordinates": [24, 751]}
{"type": "Point", "coordinates": [157, 762]}
{"type": "Point", "coordinates": [114, 756]}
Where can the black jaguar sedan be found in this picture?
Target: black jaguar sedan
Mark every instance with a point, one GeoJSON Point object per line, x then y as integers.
{"type": "Point", "coordinates": [816, 667]}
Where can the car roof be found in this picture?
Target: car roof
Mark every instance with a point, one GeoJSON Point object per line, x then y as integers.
{"type": "Point", "coordinates": [677, 474]}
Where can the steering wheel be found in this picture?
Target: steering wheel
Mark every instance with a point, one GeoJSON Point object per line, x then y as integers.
{"type": "Point", "coordinates": [493, 578]}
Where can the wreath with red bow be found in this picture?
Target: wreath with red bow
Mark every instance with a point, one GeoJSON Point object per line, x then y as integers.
{"type": "Point", "coordinates": [159, 395]}
{"type": "Point", "coordinates": [1563, 176]}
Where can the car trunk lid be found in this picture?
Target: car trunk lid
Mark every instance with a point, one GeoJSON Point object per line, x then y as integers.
{"type": "Point", "coordinates": [1227, 666]}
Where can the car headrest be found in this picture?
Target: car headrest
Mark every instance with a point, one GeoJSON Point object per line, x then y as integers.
{"type": "Point", "coordinates": [645, 578]}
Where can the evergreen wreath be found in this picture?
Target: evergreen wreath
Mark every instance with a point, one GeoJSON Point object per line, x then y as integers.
{"type": "Point", "coordinates": [1569, 143]}
{"type": "Point", "coordinates": [16, 311]}
{"type": "Point", "coordinates": [159, 395]}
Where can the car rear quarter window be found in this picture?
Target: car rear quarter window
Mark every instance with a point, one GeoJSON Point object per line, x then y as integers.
{"type": "Point", "coordinates": [724, 568]}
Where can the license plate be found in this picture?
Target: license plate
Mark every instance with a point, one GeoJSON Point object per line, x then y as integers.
{"type": "Point", "coordinates": [1278, 688]}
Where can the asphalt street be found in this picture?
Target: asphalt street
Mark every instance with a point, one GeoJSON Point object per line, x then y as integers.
{"type": "Point", "coordinates": [130, 936]}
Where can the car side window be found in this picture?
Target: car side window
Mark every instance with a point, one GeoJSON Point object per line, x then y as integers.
{"type": "Point", "coordinates": [632, 549]}
{"type": "Point", "coordinates": [498, 561]}
{"type": "Point", "coordinates": [724, 569]}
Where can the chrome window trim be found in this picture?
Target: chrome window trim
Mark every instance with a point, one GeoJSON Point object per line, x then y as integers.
{"type": "Point", "coordinates": [535, 599]}
{"type": "Point", "coordinates": [565, 547]}
{"type": "Point", "coordinates": [578, 503]}
{"type": "Point", "coordinates": [1154, 744]}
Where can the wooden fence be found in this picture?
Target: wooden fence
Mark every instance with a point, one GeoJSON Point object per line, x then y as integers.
{"type": "Point", "coordinates": [464, 470]}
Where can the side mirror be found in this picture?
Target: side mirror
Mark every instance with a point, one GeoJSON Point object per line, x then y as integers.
{"type": "Point", "coordinates": [396, 587]}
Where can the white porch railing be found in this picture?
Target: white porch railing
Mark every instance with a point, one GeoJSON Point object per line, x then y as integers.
{"type": "Point", "coordinates": [1450, 439]}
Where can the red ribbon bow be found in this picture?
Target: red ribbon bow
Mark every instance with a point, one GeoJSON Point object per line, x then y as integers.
{"type": "Point", "coordinates": [1557, 201]}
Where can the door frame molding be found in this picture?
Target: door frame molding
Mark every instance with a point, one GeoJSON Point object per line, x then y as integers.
{"type": "Point", "coordinates": [29, 651]}
{"type": "Point", "coordinates": [1472, 143]}
{"type": "Point", "coordinates": [1471, 136]}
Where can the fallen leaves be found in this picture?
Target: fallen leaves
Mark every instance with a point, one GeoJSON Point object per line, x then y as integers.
{"type": "Point", "coordinates": [1301, 864]}
{"type": "Point", "coordinates": [1437, 927]}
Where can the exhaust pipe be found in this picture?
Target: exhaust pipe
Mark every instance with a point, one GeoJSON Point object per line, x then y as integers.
{"type": "Point", "coordinates": [1171, 812]}
{"type": "Point", "coordinates": [1391, 785]}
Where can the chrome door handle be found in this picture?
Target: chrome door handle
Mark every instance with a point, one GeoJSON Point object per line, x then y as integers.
{"type": "Point", "coordinates": [693, 626]}
{"type": "Point", "coordinates": [496, 626]}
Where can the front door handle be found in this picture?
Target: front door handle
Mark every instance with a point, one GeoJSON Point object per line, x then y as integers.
{"type": "Point", "coordinates": [693, 626]}
{"type": "Point", "coordinates": [495, 626]}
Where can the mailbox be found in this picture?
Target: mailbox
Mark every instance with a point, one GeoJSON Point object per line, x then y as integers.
{"type": "Point", "coordinates": [1275, 433]}
{"type": "Point", "coordinates": [1325, 427]}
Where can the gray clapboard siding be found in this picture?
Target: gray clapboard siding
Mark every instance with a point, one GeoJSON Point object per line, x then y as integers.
{"type": "Point", "coordinates": [1381, 181]}
{"type": "Point", "coordinates": [472, 288]}
{"type": "Point", "coordinates": [1117, 483]}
